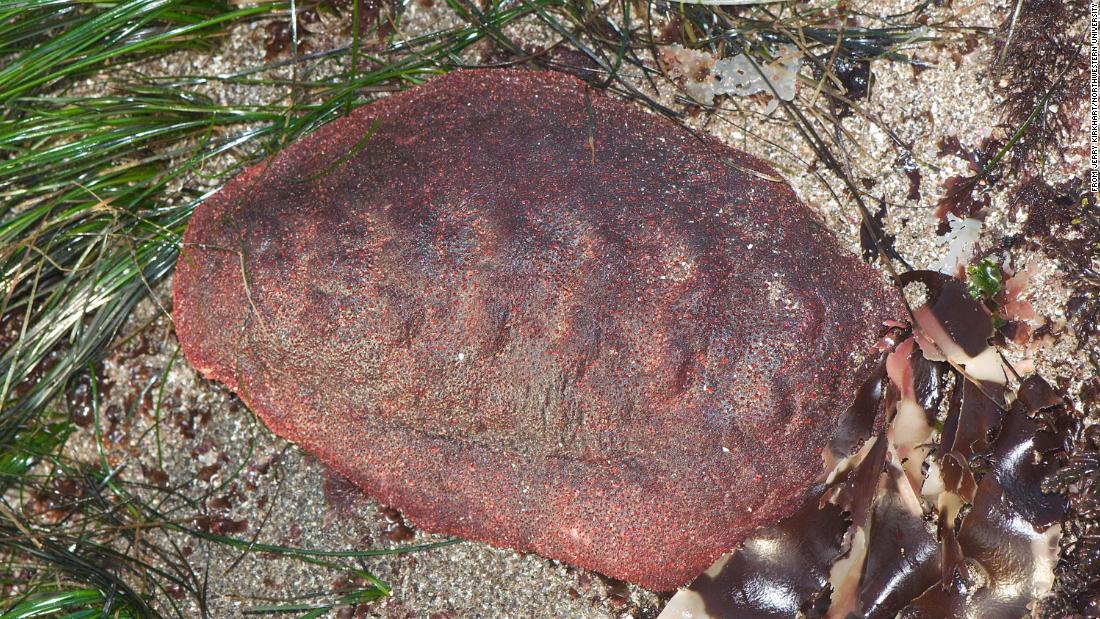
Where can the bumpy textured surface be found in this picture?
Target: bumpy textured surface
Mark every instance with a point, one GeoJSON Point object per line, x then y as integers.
{"type": "Point", "coordinates": [536, 316]}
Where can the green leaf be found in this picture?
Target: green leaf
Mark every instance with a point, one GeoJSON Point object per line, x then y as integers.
{"type": "Point", "coordinates": [30, 446]}
{"type": "Point", "coordinates": [984, 280]}
{"type": "Point", "coordinates": [46, 604]}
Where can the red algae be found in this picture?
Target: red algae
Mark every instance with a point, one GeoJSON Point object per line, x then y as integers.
{"type": "Point", "coordinates": [524, 312]}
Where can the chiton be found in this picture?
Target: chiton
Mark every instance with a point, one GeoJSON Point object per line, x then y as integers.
{"type": "Point", "coordinates": [529, 313]}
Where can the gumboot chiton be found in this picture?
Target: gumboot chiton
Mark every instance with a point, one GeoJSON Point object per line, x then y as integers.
{"type": "Point", "coordinates": [527, 313]}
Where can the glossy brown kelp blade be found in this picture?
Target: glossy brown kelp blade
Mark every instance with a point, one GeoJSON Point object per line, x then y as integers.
{"type": "Point", "coordinates": [955, 328]}
{"type": "Point", "coordinates": [1011, 531]}
{"type": "Point", "coordinates": [783, 570]}
{"type": "Point", "coordinates": [528, 313]}
{"type": "Point", "coordinates": [775, 573]}
{"type": "Point", "coordinates": [997, 562]}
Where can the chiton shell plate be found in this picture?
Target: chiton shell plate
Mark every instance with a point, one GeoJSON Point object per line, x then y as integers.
{"type": "Point", "coordinates": [529, 313]}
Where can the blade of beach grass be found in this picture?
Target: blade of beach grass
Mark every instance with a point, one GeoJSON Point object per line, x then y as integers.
{"type": "Point", "coordinates": [117, 33]}
{"type": "Point", "coordinates": [53, 602]}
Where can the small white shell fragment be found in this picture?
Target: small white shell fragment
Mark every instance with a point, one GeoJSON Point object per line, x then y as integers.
{"type": "Point", "coordinates": [740, 75]}
{"type": "Point", "coordinates": [960, 241]}
{"type": "Point", "coordinates": [704, 77]}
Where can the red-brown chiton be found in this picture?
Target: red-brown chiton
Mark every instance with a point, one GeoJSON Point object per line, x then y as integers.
{"type": "Point", "coordinates": [528, 313]}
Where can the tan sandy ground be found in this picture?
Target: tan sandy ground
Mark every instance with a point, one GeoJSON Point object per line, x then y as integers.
{"type": "Point", "coordinates": [280, 495]}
